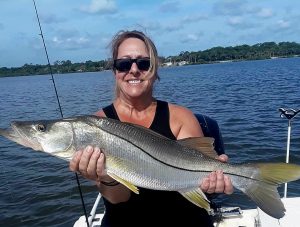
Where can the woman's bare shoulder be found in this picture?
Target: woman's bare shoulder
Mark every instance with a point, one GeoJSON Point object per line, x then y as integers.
{"type": "Point", "coordinates": [100, 113]}
{"type": "Point", "coordinates": [183, 122]}
{"type": "Point", "coordinates": [178, 110]}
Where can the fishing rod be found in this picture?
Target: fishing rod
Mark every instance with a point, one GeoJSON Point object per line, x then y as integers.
{"type": "Point", "coordinates": [59, 105]}
{"type": "Point", "coordinates": [289, 114]}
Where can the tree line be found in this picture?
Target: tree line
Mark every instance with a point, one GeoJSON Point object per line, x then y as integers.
{"type": "Point", "coordinates": [258, 51]}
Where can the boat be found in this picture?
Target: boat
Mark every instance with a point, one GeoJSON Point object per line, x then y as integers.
{"type": "Point", "coordinates": [229, 216]}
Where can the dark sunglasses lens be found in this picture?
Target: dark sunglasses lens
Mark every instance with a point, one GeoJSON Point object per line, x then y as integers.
{"type": "Point", "coordinates": [123, 65]}
{"type": "Point", "coordinates": [143, 63]}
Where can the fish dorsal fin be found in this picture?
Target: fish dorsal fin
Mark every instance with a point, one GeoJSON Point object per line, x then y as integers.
{"type": "Point", "coordinates": [124, 182]}
{"type": "Point", "coordinates": [197, 197]}
{"type": "Point", "coordinates": [202, 144]}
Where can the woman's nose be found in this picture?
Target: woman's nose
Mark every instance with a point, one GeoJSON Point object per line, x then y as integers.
{"type": "Point", "coordinates": [134, 67]}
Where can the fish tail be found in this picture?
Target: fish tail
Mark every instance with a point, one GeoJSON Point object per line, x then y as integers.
{"type": "Point", "coordinates": [264, 191]}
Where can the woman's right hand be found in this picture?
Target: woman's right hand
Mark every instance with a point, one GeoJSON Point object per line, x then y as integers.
{"type": "Point", "coordinates": [90, 163]}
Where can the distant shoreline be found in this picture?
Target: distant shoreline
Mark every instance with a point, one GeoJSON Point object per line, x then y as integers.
{"type": "Point", "coordinates": [161, 66]}
{"type": "Point", "coordinates": [260, 51]}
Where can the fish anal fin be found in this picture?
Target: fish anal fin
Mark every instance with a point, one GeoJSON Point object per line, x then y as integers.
{"type": "Point", "coordinates": [124, 182]}
{"type": "Point", "coordinates": [202, 144]}
{"type": "Point", "coordinates": [197, 197]}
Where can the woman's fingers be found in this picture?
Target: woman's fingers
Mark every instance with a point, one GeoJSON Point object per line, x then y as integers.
{"type": "Point", "coordinates": [88, 163]}
{"type": "Point", "coordinates": [223, 158]}
{"type": "Point", "coordinates": [100, 165]}
{"type": "Point", "coordinates": [212, 182]}
{"type": "Point", "coordinates": [92, 164]}
{"type": "Point", "coordinates": [74, 163]}
{"type": "Point", "coordinates": [85, 159]}
{"type": "Point", "coordinates": [217, 182]}
{"type": "Point", "coordinates": [220, 183]}
{"type": "Point", "coordinates": [228, 185]}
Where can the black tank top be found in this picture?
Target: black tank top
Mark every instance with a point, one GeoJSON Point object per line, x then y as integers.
{"type": "Point", "coordinates": [152, 207]}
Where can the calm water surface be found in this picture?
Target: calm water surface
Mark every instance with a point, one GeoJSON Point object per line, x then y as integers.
{"type": "Point", "coordinates": [244, 97]}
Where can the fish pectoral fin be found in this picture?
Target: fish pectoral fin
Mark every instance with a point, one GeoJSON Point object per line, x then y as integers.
{"type": "Point", "coordinates": [202, 144]}
{"type": "Point", "coordinates": [197, 197]}
{"type": "Point", "coordinates": [125, 183]}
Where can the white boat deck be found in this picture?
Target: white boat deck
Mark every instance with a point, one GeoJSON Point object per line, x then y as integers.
{"type": "Point", "coordinates": [248, 218]}
{"type": "Point", "coordinates": [291, 219]}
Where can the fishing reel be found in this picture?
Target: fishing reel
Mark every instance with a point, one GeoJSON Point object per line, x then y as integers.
{"type": "Point", "coordinates": [288, 113]}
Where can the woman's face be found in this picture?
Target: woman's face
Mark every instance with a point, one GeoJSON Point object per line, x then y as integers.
{"type": "Point", "coordinates": [135, 82]}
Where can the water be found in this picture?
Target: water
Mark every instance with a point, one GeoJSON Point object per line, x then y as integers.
{"type": "Point", "coordinates": [244, 97]}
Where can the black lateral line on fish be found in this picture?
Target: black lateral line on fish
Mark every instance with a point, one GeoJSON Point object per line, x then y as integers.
{"type": "Point", "coordinates": [205, 171]}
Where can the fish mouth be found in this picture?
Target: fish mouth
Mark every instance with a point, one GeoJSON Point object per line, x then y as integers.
{"type": "Point", "coordinates": [10, 133]}
{"type": "Point", "coordinates": [14, 133]}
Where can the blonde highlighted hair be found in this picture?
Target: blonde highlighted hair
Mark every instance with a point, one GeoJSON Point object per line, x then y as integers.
{"type": "Point", "coordinates": [123, 35]}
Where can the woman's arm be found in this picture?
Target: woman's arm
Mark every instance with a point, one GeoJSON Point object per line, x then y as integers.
{"type": "Point", "coordinates": [184, 124]}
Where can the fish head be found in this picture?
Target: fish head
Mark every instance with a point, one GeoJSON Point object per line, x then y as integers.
{"type": "Point", "coordinates": [51, 136]}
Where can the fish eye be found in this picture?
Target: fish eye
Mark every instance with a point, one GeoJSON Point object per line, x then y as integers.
{"type": "Point", "coordinates": [41, 127]}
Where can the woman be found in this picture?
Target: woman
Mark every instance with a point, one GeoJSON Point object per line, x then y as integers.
{"type": "Point", "coordinates": [135, 70]}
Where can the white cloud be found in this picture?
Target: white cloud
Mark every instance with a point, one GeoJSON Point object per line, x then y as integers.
{"type": "Point", "coordinates": [231, 7]}
{"type": "Point", "coordinates": [235, 21]}
{"type": "Point", "coordinates": [51, 18]}
{"type": "Point", "coordinates": [240, 23]}
{"type": "Point", "coordinates": [283, 24]}
{"type": "Point", "coordinates": [71, 43]}
{"type": "Point", "coordinates": [194, 18]}
{"type": "Point", "coordinates": [100, 6]}
{"type": "Point", "coordinates": [265, 12]}
{"type": "Point", "coordinates": [169, 6]}
{"type": "Point", "coordinates": [191, 37]}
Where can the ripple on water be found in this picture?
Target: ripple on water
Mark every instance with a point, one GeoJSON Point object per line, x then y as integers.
{"type": "Point", "coordinates": [244, 97]}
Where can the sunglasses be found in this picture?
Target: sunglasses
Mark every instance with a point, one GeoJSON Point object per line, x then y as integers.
{"type": "Point", "coordinates": [124, 64]}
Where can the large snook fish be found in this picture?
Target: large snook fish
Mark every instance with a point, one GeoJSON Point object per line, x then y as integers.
{"type": "Point", "coordinates": [139, 157]}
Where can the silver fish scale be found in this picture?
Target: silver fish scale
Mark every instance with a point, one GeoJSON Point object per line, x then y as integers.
{"type": "Point", "coordinates": [150, 160]}
{"type": "Point", "coordinates": [159, 147]}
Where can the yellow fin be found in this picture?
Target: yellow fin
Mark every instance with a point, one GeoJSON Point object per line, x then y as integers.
{"type": "Point", "coordinates": [124, 182]}
{"type": "Point", "coordinates": [203, 144]}
{"type": "Point", "coordinates": [278, 173]}
{"type": "Point", "coordinates": [263, 191]}
{"type": "Point", "coordinates": [197, 197]}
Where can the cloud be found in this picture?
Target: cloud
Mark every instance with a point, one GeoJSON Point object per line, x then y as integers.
{"type": "Point", "coordinates": [70, 39]}
{"type": "Point", "coordinates": [152, 26]}
{"type": "Point", "coordinates": [169, 7]}
{"type": "Point", "coordinates": [52, 19]}
{"type": "Point", "coordinates": [100, 6]}
{"type": "Point", "coordinates": [67, 32]}
{"type": "Point", "coordinates": [284, 24]}
{"type": "Point", "coordinates": [240, 22]}
{"type": "Point", "coordinates": [235, 21]}
{"type": "Point", "coordinates": [231, 7]}
{"type": "Point", "coordinates": [71, 43]}
{"type": "Point", "coordinates": [172, 27]}
{"type": "Point", "coordinates": [162, 27]}
{"type": "Point", "coordinates": [265, 13]}
{"type": "Point", "coordinates": [194, 18]}
{"type": "Point", "coordinates": [192, 37]}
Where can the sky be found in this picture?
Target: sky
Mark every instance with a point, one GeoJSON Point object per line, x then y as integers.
{"type": "Point", "coordinates": [81, 30]}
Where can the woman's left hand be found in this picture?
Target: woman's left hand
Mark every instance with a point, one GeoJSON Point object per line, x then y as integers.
{"type": "Point", "coordinates": [217, 182]}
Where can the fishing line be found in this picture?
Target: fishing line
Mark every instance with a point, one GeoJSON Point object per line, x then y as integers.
{"type": "Point", "coordinates": [59, 105]}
